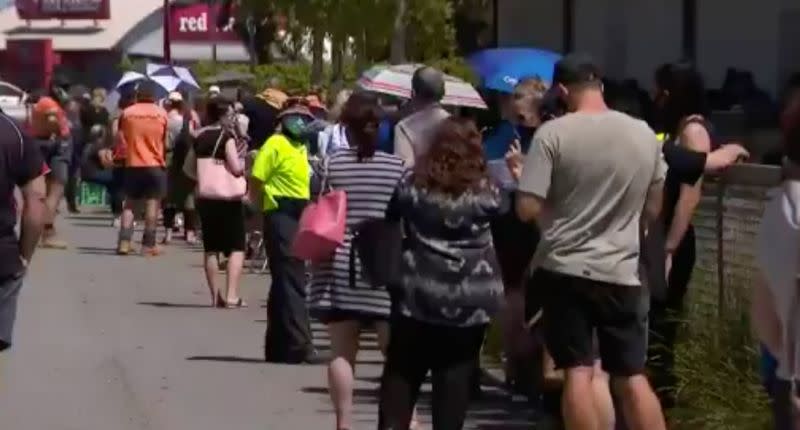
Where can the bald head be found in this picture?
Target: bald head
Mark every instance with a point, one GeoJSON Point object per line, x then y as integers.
{"type": "Point", "coordinates": [427, 84]}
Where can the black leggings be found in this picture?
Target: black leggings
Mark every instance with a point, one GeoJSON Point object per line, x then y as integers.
{"type": "Point", "coordinates": [189, 218]}
{"type": "Point", "coordinates": [450, 353]}
{"type": "Point", "coordinates": [665, 321]}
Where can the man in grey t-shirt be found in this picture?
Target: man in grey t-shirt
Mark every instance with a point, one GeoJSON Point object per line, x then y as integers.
{"type": "Point", "coordinates": [592, 173]}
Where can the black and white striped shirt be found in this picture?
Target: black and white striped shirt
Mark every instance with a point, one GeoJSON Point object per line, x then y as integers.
{"type": "Point", "coordinates": [369, 186]}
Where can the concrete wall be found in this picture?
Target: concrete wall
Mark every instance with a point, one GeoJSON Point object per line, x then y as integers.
{"type": "Point", "coordinates": [535, 23]}
{"type": "Point", "coordinates": [742, 34]}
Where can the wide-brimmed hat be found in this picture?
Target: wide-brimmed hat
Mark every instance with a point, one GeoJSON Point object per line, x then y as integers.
{"type": "Point", "coordinates": [298, 109]}
{"type": "Point", "coordinates": [273, 97]}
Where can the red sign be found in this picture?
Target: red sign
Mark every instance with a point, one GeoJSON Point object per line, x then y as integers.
{"type": "Point", "coordinates": [63, 9]}
{"type": "Point", "coordinates": [198, 23]}
{"type": "Point", "coordinates": [33, 62]}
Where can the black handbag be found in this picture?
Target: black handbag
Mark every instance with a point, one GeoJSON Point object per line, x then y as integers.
{"type": "Point", "coordinates": [379, 244]}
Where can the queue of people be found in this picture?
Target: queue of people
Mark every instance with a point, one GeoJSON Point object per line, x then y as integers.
{"type": "Point", "coordinates": [570, 223]}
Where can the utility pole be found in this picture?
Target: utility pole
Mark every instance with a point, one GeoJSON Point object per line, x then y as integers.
{"type": "Point", "coordinates": [216, 11]}
{"type": "Point", "coordinates": [167, 33]}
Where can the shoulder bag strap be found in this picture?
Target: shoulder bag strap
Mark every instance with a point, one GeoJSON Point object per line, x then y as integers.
{"type": "Point", "coordinates": [219, 140]}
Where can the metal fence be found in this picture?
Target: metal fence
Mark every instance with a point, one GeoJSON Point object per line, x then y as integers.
{"type": "Point", "coordinates": [726, 224]}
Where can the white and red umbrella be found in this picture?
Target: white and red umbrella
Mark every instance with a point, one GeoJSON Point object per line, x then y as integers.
{"type": "Point", "coordinates": [396, 81]}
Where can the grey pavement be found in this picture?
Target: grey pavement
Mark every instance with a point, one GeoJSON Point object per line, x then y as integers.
{"type": "Point", "coordinates": [128, 343]}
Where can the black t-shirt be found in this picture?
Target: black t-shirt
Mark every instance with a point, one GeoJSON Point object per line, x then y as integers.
{"type": "Point", "coordinates": [20, 162]}
{"type": "Point", "coordinates": [687, 165]}
{"type": "Point", "coordinates": [94, 115]}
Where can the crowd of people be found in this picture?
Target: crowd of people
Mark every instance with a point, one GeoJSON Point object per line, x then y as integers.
{"type": "Point", "coordinates": [568, 222]}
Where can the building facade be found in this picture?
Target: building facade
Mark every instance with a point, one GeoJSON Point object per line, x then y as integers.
{"type": "Point", "coordinates": [631, 38]}
{"type": "Point", "coordinates": [90, 43]}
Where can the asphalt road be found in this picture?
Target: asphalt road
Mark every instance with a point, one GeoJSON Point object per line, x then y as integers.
{"type": "Point", "coordinates": [128, 343]}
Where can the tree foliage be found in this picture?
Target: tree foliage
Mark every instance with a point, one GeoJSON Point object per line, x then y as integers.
{"type": "Point", "coordinates": [364, 28]}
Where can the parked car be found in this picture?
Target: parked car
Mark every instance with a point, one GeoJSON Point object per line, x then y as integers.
{"type": "Point", "coordinates": [12, 101]}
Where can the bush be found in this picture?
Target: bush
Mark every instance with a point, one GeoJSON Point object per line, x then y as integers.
{"type": "Point", "coordinates": [295, 78]}
{"type": "Point", "coordinates": [717, 365]}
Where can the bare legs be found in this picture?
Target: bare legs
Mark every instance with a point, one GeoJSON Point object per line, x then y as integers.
{"type": "Point", "coordinates": [603, 402]}
{"type": "Point", "coordinates": [151, 208]}
{"type": "Point", "coordinates": [55, 192]}
{"type": "Point", "coordinates": [233, 275]}
{"type": "Point", "coordinates": [211, 266]}
{"type": "Point", "coordinates": [639, 403]}
{"type": "Point", "coordinates": [344, 346]}
{"type": "Point", "coordinates": [577, 408]}
{"type": "Point", "coordinates": [344, 337]}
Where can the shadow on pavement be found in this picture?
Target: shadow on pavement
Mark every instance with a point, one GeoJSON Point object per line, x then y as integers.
{"type": "Point", "coordinates": [174, 305]}
{"type": "Point", "coordinates": [226, 359]}
{"type": "Point", "coordinates": [92, 250]}
{"type": "Point", "coordinates": [94, 224]}
{"type": "Point", "coordinates": [491, 410]}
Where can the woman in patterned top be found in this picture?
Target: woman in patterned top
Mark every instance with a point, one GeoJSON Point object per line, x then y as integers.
{"type": "Point", "coordinates": [450, 284]}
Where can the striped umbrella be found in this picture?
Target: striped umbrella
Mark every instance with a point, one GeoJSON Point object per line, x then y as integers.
{"type": "Point", "coordinates": [396, 81]}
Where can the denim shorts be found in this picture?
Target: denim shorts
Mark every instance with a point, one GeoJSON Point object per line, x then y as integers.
{"type": "Point", "coordinates": [57, 153]}
{"type": "Point", "coordinates": [9, 293]}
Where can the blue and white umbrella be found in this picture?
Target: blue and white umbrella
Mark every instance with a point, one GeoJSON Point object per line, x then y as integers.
{"type": "Point", "coordinates": [172, 77]}
{"type": "Point", "coordinates": [129, 78]}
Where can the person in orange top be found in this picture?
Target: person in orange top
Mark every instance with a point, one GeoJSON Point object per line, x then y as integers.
{"type": "Point", "coordinates": [51, 131]}
{"type": "Point", "coordinates": [143, 135]}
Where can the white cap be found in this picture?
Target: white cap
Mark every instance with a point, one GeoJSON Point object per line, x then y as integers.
{"type": "Point", "coordinates": [214, 89]}
{"type": "Point", "coordinates": [175, 96]}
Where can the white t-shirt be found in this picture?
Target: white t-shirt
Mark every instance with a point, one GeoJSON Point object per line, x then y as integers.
{"type": "Point", "coordinates": [778, 255]}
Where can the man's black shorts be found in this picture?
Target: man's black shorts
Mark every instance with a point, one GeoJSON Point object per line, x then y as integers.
{"type": "Point", "coordinates": [575, 309]}
{"type": "Point", "coordinates": [145, 183]}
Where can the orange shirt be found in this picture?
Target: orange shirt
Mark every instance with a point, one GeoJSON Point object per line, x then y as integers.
{"type": "Point", "coordinates": [44, 108]}
{"type": "Point", "coordinates": [143, 135]}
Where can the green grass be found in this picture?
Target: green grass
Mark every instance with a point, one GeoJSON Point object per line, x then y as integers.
{"type": "Point", "coordinates": [717, 363]}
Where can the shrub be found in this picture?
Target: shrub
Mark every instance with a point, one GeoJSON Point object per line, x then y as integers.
{"type": "Point", "coordinates": [716, 365]}
{"type": "Point", "coordinates": [295, 78]}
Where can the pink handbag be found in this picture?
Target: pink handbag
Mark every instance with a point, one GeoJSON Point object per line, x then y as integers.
{"type": "Point", "coordinates": [214, 179]}
{"type": "Point", "coordinates": [322, 227]}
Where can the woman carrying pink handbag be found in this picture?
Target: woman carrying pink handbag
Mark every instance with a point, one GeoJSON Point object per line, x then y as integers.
{"type": "Point", "coordinates": [221, 187]}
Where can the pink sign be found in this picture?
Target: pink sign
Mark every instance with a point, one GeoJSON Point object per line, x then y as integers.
{"type": "Point", "coordinates": [63, 9]}
{"type": "Point", "coordinates": [198, 23]}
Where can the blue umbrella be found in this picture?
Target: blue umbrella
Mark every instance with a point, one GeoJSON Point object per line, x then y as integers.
{"type": "Point", "coordinates": [502, 68]}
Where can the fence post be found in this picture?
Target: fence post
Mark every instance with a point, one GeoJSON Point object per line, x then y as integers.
{"type": "Point", "coordinates": [720, 209]}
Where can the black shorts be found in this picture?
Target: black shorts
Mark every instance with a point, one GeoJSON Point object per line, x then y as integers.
{"type": "Point", "coordinates": [10, 287]}
{"type": "Point", "coordinates": [144, 183]}
{"type": "Point", "coordinates": [575, 310]}
{"type": "Point", "coordinates": [222, 223]}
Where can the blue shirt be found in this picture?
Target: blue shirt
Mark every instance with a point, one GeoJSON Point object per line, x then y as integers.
{"type": "Point", "coordinates": [386, 136]}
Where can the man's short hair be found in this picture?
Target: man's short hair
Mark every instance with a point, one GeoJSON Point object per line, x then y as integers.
{"type": "Point", "coordinates": [577, 70]}
{"type": "Point", "coordinates": [146, 91]}
{"type": "Point", "coordinates": [428, 84]}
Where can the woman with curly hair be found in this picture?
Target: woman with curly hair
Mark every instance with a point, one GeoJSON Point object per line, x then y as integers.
{"type": "Point", "coordinates": [450, 286]}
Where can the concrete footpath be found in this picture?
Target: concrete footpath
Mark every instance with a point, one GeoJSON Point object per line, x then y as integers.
{"type": "Point", "coordinates": [129, 343]}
